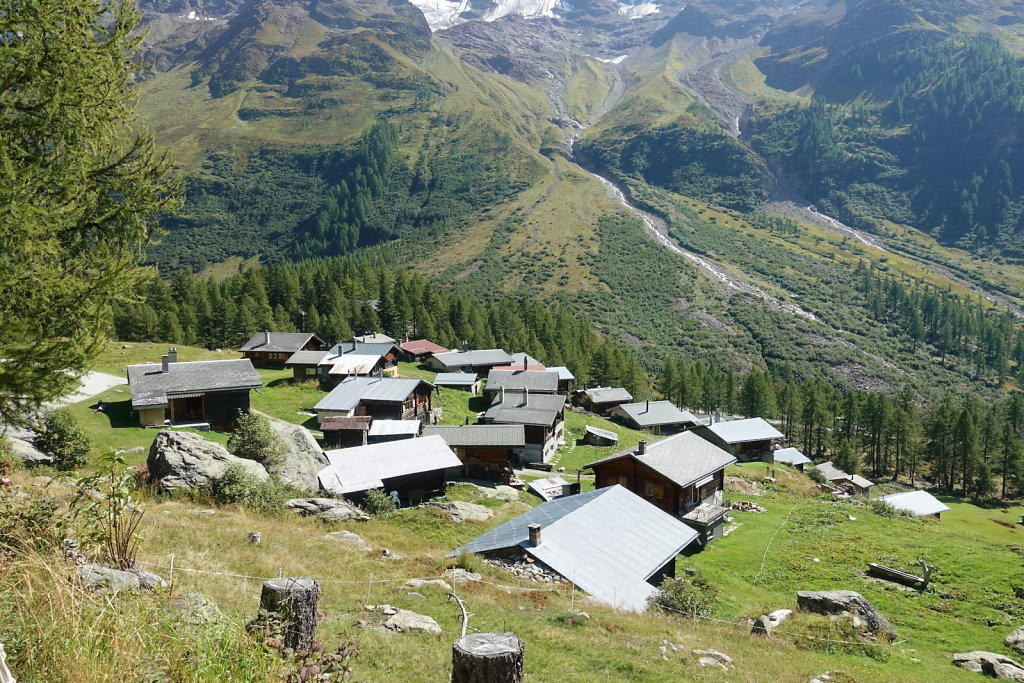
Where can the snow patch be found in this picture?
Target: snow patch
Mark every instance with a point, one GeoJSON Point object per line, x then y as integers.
{"type": "Point", "coordinates": [639, 11]}
{"type": "Point", "coordinates": [442, 14]}
{"type": "Point", "coordinates": [613, 60]}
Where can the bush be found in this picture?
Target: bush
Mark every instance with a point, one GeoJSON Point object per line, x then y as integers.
{"type": "Point", "coordinates": [816, 475]}
{"type": "Point", "coordinates": [378, 503]}
{"type": "Point", "coordinates": [253, 439]}
{"type": "Point", "coordinates": [61, 435]}
{"type": "Point", "coordinates": [690, 597]}
{"type": "Point", "coordinates": [468, 561]}
{"type": "Point", "coordinates": [238, 486]}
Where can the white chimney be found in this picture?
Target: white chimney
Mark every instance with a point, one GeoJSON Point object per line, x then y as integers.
{"type": "Point", "coordinates": [534, 530]}
{"type": "Point", "coordinates": [164, 362]}
{"type": "Point", "coordinates": [266, 336]}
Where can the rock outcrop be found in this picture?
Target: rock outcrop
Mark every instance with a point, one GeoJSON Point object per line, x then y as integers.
{"type": "Point", "coordinates": [464, 512]}
{"type": "Point", "coordinates": [990, 664]}
{"type": "Point", "coordinates": [23, 447]}
{"type": "Point", "coordinates": [1016, 640]}
{"type": "Point", "coordinates": [186, 460]}
{"type": "Point", "coordinates": [838, 602]}
{"type": "Point", "coordinates": [326, 509]}
{"type": "Point", "coordinates": [301, 458]}
{"type": "Point", "coordinates": [107, 580]}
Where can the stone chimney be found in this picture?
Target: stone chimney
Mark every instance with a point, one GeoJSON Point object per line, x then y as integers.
{"type": "Point", "coordinates": [717, 417]}
{"type": "Point", "coordinates": [502, 395]}
{"type": "Point", "coordinates": [172, 355]}
{"type": "Point", "coordinates": [526, 396]}
{"type": "Point", "coordinates": [534, 530]}
{"type": "Point", "coordinates": [266, 336]}
{"type": "Point", "coordinates": [525, 365]}
{"type": "Point", "coordinates": [465, 345]}
{"type": "Point", "coordinates": [164, 362]}
{"type": "Point", "coordinates": [641, 447]}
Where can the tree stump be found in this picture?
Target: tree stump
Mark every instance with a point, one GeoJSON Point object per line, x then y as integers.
{"type": "Point", "coordinates": [294, 599]}
{"type": "Point", "coordinates": [487, 658]}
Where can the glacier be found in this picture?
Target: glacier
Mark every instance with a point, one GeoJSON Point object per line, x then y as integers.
{"type": "Point", "coordinates": [442, 14]}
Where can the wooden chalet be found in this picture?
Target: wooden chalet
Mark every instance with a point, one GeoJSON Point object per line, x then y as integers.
{"type": "Point", "coordinates": [750, 439]}
{"type": "Point", "coordinates": [917, 503]}
{"type": "Point", "coordinates": [273, 349]}
{"type": "Point", "coordinates": [346, 359]}
{"type": "Point", "coordinates": [385, 398]}
{"type": "Point", "coordinates": [463, 381]}
{"type": "Point", "coordinates": [520, 381]}
{"type": "Point", "coordinates": [594, 436]}
{"type": "Point", "coordinates": [211, 392]}
{"type": "Point", "coordinates": [792, 457]}
{"type": "Point", "coordinates": [542, 416]}
{"type": "Point", "coordinates": [345, 432]}
{"type": "Point", "coordinates": [850, 483]}
{"type": "Point", "coordinates": [684, 475]}
{"type": "Point", "coordinates": [419, 350]}
{"type": "Point", "coordinates": [601, 400]}
{"type": "Point", "coordinates": [414, 469]}
{"type": "Point", "coordinates": [658, 417]}
{"type": "Point", "coordinates": [486, 451]}
{"type": "Point", "coordinates": [479, 361]}
{"type": "Point", "coordinates": [382, 431]}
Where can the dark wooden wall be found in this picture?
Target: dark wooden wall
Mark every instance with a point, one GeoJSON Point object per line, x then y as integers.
{"type": "Point", "coordinates": [222, 407]}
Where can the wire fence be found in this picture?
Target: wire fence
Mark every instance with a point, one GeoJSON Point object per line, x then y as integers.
{"type": "Point", "coordinates": [571, 591]}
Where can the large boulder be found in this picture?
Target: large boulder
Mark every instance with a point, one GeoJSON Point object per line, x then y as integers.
{"type": "Point", "coordinates": [24, 448]}
{"type": "Point", "coordinates": [326, 509]}
{"type": "Point", "coordinates": [990, 664]}
{"type": "Point", "coordinates": [300, 459]}
{"type": "Point", "coordinates": [462, 511]}
{"type": "Point", "coordinates": [186, 460]}
{"type": "Point", "coordinates": [106, 580]}
{"type": "Point", "coordinates": [1016, 640]}
{"type": "Point", "coordinates": [838, 602]}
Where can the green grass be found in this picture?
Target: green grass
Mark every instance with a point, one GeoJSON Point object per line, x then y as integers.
{"type": "Point", "coordinates": [285, 399]}
{"type": "Point", "coordinates": [576, 454]}
{"type": "Point", "coordinates": [115, 359]}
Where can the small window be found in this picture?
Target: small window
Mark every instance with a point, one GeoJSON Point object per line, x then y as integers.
{"type": "Point", "coordinates": [654, 490]}
{"type": "Point", "coordinates": [623, 481]}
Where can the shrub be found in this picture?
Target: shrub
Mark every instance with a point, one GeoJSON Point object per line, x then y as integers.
{"type": "Point", "coordinates": [691, 597]}
{"type": "Point", "coordinates": [109, 522]}
{"type": "Point", "coordinates": [7, 460]}
{"type": "Point", "coordinates": [378, 503]}
{"type": "Point", "coordinates": [468, 561]}
{"type": "Point", "coordinates": [238, 486]}
{"type": "Point", "coordinates": [253, 439]}
{"type": "Point", "coordinates": [816, 475]}
{"type": "Point", "coordinates": [62, 436]}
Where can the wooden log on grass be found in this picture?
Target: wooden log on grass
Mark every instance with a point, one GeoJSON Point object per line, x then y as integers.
{"type": "Point", "coordinates": [294, 600]}
{"type": "Point", "coordinates": [487, 658]}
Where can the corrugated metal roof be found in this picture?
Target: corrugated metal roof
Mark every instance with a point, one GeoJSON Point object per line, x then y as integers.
{"type": "Point", "coordinates": [915, 502]}
{"type": "Point", "coordinates": [518, 380]}
{"type": "Point", "coordinates": [563, 372]}
{"type": "Point", "coordinates": [608, 542]}
{"type": "Point", "coordinates": [537, 409]}
{"type": "Point", "coordinates": [656, 413]}
{"type": "Point", "coordinates": [359, 349]}
{"type": "Point", "coordinates": [461, 359]}
{"type": "Point", "coordinates": [455, 378]}
{"type": "Point", "coordinates": [418, 346]}
{"type": "Point", "coordinates": [306, 358]}
{"type": "Point", "coordinates": [280, 342]}
{"type": "Point", "coordinates": [548, 488]}
{"type": "Point", "coordinates": [791, 456]}
{"type": "Point", "coordinates": [375, 338]}
{"type": "Point", "coordinates": [610, 394]}
{"type": "Point", "coordinates": [520, 357]}
{"type": "Point", "coordinates": [861, 481]}
{"type": "Point", "coordinates": [353, 390]}
{"type": "Point", "coordinates": [831, 472]}
{"type": "Point", "coordinates": [353, 364]}
{"type": "Point", "coordinates": [741, 431]}
{"type": "Point", "coordinates": [465, 436]}
{"type": "Point", "coordinates": [362, 467]}
{"type": "Point", "coordinates": [151, 386]}
{"type": "Point", "coordinates": [603, 433]}
{"type": "Point", "coordinates": [683, 458]}
{"type": "Point", "coordinates": [395, 427]}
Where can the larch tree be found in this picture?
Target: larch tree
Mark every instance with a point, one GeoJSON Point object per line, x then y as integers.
{"type": "Point", "coordinates": [80, 184]}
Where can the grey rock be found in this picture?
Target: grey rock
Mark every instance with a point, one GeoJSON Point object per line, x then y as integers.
{"type": "Point", "coordinates": [301, 458]}
{"type": "Point", "coordinates": [23, 447]}
{"type": "Point", "coordinates": [990, 664]}
{"type": "Point", "coordinates": [461, 576]}
{"type": "Point", "coordinates": [763, 626]}
{"type": "Point", "coordinates": [186, 460]}
{"type": "Point", "coordinates": [134, 450]}
{"type": "Point", "coordinates": [464, 512]}
{"type": "Point", "coordinates": [714, 654]}
{"type": "Point", "coordinates": [198, 609]}
{"type": "Point", "coordinates": [500, 492]}
{"type": "Point", "coordinates": [205, 512]}
{"type": "Point", "coordinates": [346, 537]}
{"type": "Point", "coordinates": [106, 580]}
{"type": "Point", "coordinates": [405, 620]}
{"type": "Point", "coordinates": [1016, 640]}
{"type": "Point", "coordinates": [419, 583]}
{"type": "Point", "coordinates": [326, 509]}
{"type": "Point", "coordinates": [779, 616]}
{"type": "Point", "coordinates": [837, 602]}
{"type": "Point", "coordinates": [712, 662]}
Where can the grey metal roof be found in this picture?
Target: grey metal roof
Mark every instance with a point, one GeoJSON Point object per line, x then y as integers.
{"type": "Point", "coordinates": [563, 372]}
{"type": "Point", "coordinates": [518, 380]}
{"type": "Point", "coordinates": [861, 481]}
{"type": "Point", "coordinates": [536, 409]}
{"type": "Point", "coordinates": [306, 358]}
{"type": "Point", "coordinates": [791, 456]}
{"type": "Point", "coordinates": [354, 390]}
{"type": "Point", "coordinates": [356, 423]}
{"type": "Point", "coordinates": [831, 472]}
{"type": "Point", "coordinates": [375, 338]}
{"type": "Point", "coordinates": [455, 378]}
{"type": "Point", "coordinates": [280, 342]}
{"type": "Point", "coordinates": [608, 395]}
{"type": "Point", "coordinates": [395, 427]}
{"type": "Point", "coordinates": [501, 436]}
{"type": "Point", "coordinates": [352, 364]}
{"type": "Point", "coordinates": [461, 359]}
{"type": "Point", "coordinates": [742, 431]}
{"type": "Point", "coordinates": [608, 542]}
{"type": "Point", "coordinates": [683, 458]}
{"type": "Point", "coordinates": [656, 413]}
{"type": "Point", "coordinates": [364, 467]}
{"type": "Point", "coordinates": [915, 502]}
{"type": "Point", "coordinates": [359, 348]}
{"type": "Point", "coordinates": [548, 488]}
{"type": "Point", "coordinates": [151, 386]}
{"type": "Point", "coordinates": [520, 357]}
{"type": "Point", "coordinates": [603, 433]}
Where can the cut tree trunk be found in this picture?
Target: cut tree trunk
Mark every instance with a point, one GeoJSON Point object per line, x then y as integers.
{"type": "Point", "coordinates": [294, 599]}
{"type": "Point", "coordinates": [487, 658]}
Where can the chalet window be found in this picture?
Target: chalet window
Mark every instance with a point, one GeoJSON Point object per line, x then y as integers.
{"type": "Point", "coordinates": [654, 490]}
{"type": "Point", "coordinates": [623, 481]}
